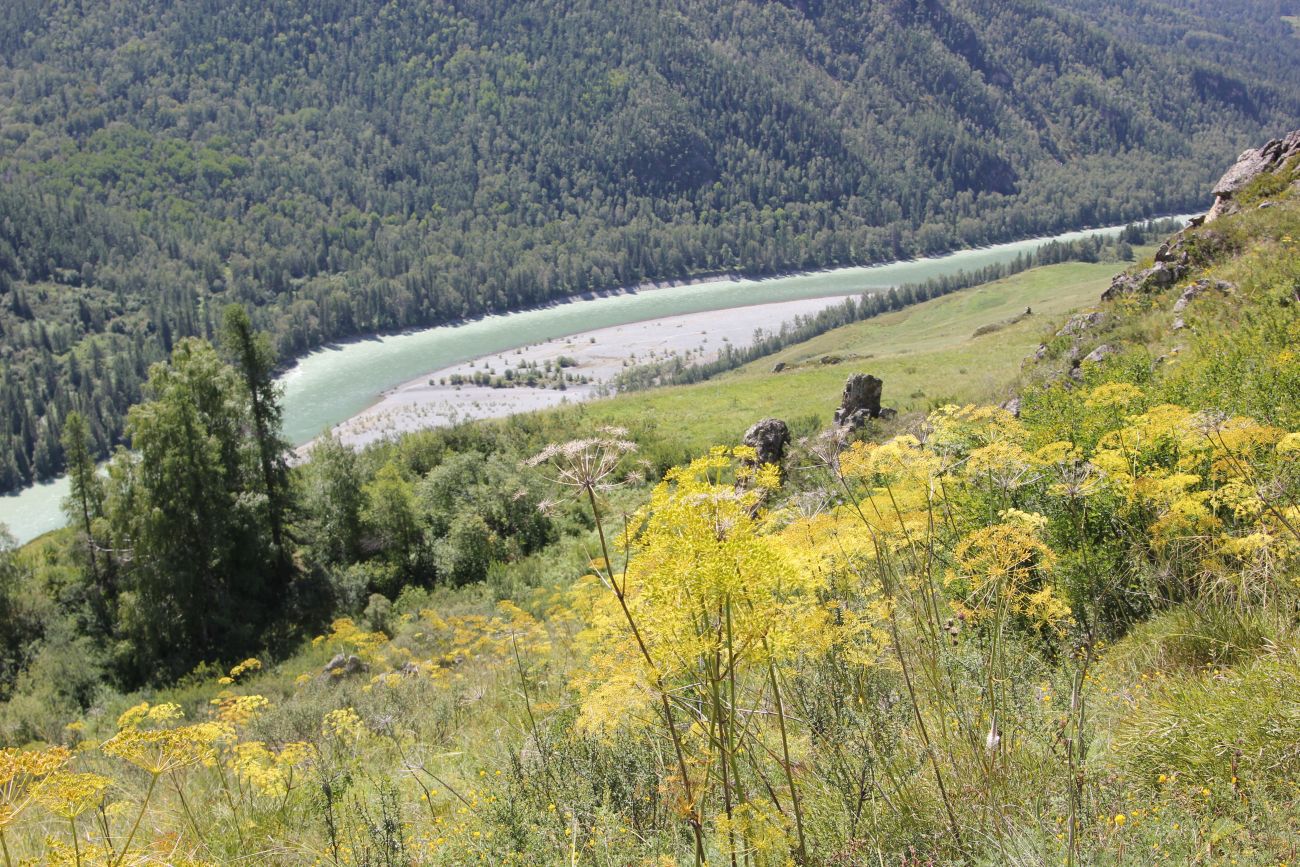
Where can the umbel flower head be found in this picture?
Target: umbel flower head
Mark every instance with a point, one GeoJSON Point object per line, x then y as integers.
{"type": "Point", "coordinates": [586, 465]}
{"type": "Point", "coordinates": [159, 750]}
{"type": "Point", "coordinates": [20, 773]}
{"type": "Point", "coordinates": [68, 795]}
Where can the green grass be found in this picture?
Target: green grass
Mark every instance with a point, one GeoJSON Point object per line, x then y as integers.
{"type": "Point", "coordinates": [926, 355]}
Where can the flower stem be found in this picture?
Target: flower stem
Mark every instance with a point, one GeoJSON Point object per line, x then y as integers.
{"type": "Point", "coordinates": [76, 844]}
{"type": "Point", "coordinates": [126, 847]}
{"type": "Point", "coordinates": [620, 593]}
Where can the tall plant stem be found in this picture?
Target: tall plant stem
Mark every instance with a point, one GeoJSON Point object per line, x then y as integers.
{"type": "Point", "coordinates": [620, 593]}
{"type": "Point", "coordinates": [896, 639]}
{"type": "Point", "coordinates": [532, 720]}
{"type": "Point", "coordinates": [230, 802]}
{"type": "Point", "coordinates": [126, 847]}
{"type": "Point", "coordinates": [188, 813]}
{"type": "Point", "coordinates": [785, 756]}
{"type": "Point", "coordinates": [76, 844]}
{"type": "Point", "coordinates": [4, 846]}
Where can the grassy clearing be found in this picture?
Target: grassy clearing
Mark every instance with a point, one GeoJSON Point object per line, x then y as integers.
{"type": "Point", "coordinates": [927, 356]}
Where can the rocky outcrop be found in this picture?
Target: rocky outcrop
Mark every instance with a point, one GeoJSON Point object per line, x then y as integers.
{"type": "Point", "coordinates": [344, 666]}
{"type": "Point", "coordinates": [1250, 165]}
{"type": "Point", "coordinates": [1162, 275]}
{"type": "Point", "coordinates": [860, 401]}
{"type": "Point", "coordinates": [768, 438]}
{"type": "Point", "coordinates": [1079, 323]}
{"type": "Point", "coordinates": [1174, 260]}
{"type": "Point", "coordinates": [1101, 353]}
{"type": "Point", "coordinates": [1199, 288]}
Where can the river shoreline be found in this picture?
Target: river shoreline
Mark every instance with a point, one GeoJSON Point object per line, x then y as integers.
{"type": "Point", "coordinates": [330, 386]}
{"type": "Point", "coordinates": [687, 282]}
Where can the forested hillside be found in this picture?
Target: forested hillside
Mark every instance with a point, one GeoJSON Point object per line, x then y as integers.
{"type": "Point", "coordinates": [1062, 630]}
{"type": "Point", "coordinates": [346, 167]}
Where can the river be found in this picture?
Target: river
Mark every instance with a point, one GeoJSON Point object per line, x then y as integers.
{"type": "Point", "coordinates": [333, 384]}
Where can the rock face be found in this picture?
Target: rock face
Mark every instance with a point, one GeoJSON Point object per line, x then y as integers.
{"type": "Point", "coordinates": [768, 438]}
{"type": "Point", "coordinates": [1174, 260]}
{"type": "Point", "coordinates": [1101, 353]}
{"type": "Point", "coordinates": [343, 666]}
{"type": "Point", "coordinates": [1079, 323]}
{"type": "Point", "coordinates": [860, 401]}
{"type": "Point", "coordinates": [1250, 165]}
{"type": "Point", "coordinates": [1199, 288]}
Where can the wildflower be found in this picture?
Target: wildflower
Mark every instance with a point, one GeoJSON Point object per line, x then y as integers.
{"type": "Point", "coordinates": [20, 771]}
{"type": "Point", "coordinates": [159, 751]}
{"type": "Point", "coordinates": [248, 665]}
{"type": "Point", "coordinates": [586, 465]}
{"type": "Point", "coordinates": [1120, 819]}
{"type": "Point", "coordinates": [343, 724]}
{"type": "Point", "coordinates": [240, 710]}
{"type": "Point", "coordinates": [69, 795]}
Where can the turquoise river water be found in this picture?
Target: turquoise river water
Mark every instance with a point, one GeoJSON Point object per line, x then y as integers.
{"type": "Point", "coordinates": [332, 384]}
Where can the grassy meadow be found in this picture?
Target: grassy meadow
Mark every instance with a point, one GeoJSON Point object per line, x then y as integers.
{"type": "Point", "coordinates": [1068, 637]}
{"type": "Point", "coordinates": [927, 355]}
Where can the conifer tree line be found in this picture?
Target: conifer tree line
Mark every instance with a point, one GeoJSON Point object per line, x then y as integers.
{"type": "Point", "coordinates": [346, 167]}
{"type": "Point", "coordinates": [676, 370]}
{"type": "Point", "coordinates": [200, 544]}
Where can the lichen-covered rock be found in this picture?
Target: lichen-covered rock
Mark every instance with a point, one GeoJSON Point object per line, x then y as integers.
{"type": "Point", "coordinates": [1250, 165]}
{"type": "Point", "coordinates": [1162, 275]}
{"type": "Point", "coordinates": [768, 438]}
{"type": "Point", "coordinates": [860, 401]}
{"type": "Point", "coordinates": [1079, 323]}
{"type": "Point", "coordinates": [1199, 288]}
{"type": "Point", "coordinates": [345, 666]}
{"type": "Point", "coordinates": [1101, 353]}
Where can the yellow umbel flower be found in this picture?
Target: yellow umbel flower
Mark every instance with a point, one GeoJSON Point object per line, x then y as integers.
{"type": "Point", "coordinates": [68, 795]}
{"type": "Point", "coordinates": [20, 771]}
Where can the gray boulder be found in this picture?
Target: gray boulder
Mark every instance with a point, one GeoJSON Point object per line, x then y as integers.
{"type": "Point", "coordinates": [768, 438]}
{"type": "Point", "coordinates": [1250, 165]}
{"type": "Point", "coordinates": [1079, 323]}
{"type": "Point", "coordinates": [1199, 288]}
{"type": "Point", "coordinates": [1101, 353]}
{"type": "Point", "coordinates": [345, 666]}
{"type": "Point", "coordinates": [860, 401]}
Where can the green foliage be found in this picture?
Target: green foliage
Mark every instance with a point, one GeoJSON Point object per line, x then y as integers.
{"type": "Point", "coordinates": [411, 163]}
{"type": "Point", "coordinates": [187, 511]}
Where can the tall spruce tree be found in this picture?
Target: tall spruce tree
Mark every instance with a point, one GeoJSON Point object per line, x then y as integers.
{"type": "Point", "coordinates": [253, 357]}
{"type": "Point", "coordinates": [203, 582]}
{"type": "Point", "coordinates": [85, 502]}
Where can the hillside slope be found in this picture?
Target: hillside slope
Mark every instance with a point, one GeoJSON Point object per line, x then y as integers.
{"type": "Point", "coordinates": [346, 169]}
{"type": "Point", "coordinates": [961, 636]}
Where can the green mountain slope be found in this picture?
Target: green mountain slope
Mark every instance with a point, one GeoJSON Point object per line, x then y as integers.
{"type": "Point", "coordinates": [345, 167]}
{"type": "Point", "coordinates": [961, 635]}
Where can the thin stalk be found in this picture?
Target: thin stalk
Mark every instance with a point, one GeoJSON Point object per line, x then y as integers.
{"type": "Point", "coordinates": [189, 815]}
{"type": "Point", "coordinates": [724, 741]}
{"type": "Point", "coordinates": [620, 594]}
{"type": "Point", "coordinates": [4, 846]}
{"type": "Point", "coordinates": [126, 847]}
{"type": "Point", "coordinates": [230, 802]}
{"type": "Point", "coordinates": [897, 640]}
{"type": "Point", "coordinates": [785, 759]}
{"type": "Point", "coordinates": [76, 843]}
{"type": "Point", "coordinates": [532, 720]}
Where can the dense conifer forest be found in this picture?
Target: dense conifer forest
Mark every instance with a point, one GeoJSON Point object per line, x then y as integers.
{"type": "Point", "coordinates": [348, 167]}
